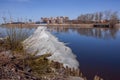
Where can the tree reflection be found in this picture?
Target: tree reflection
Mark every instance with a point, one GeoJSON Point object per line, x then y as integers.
{"type": "Point", "coordinates": [58, 29]}
{"type": "Point", "coordinates": [100, 33]}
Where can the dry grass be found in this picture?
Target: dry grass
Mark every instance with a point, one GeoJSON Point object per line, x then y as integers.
{"type": "Point", "coordinates": [40, 65]}
{"type": "Point", "coordinates": [14, 38]}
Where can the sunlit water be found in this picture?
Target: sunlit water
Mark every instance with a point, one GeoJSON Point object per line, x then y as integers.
{"type": "Point", "coordinates": [97, 49]}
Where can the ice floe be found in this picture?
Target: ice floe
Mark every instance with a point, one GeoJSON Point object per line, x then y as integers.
{"type": "Point", "coordinates": [44, 42]}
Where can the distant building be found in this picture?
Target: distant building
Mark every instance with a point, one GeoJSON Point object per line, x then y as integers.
{"type": "Point", "coordinates": [56, 20]}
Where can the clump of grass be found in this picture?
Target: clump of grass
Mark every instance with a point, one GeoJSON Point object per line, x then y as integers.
{"type": "Point", "coordinates": [14, 39]}
{"type": "Point", "coordinates": [13, 42]}
{"type": "Point", "coordinates": [40, 65]}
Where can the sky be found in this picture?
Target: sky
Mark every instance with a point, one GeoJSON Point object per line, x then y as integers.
{"type": "Point", "coordinates": [35, 9]}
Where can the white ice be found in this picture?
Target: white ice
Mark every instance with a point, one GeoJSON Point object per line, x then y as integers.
{"type": "Point", "coordinates": [44, 42]}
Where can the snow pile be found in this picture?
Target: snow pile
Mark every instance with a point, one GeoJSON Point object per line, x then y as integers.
{"type": "Point", "coordinates": [44, 42]}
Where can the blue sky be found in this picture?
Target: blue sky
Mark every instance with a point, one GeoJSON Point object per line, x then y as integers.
{"type": "Point", "coordinates": [35, 9]}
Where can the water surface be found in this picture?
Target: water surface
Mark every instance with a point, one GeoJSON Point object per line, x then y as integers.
{"type": "Point", "coordinates": [97, 49]}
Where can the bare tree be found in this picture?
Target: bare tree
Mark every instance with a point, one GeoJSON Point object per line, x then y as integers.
{"type": "Point", "coordinates": [11, 20]}
{"type": "Point", "coordinates": [96, 17]}
{"type": "Point", "coordinates": [107, 15]}
{"type": "Point", "coordinates": [114, 18]}
{"type": "Point", "coordinates": [4, 19]}
{"type": "Point", "coordinates": [91, 17]}
{"type": "Point", "coordinates": [100, 16]}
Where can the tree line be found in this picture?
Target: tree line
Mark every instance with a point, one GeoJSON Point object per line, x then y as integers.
{"type": "Point", "coordinates": [106, 16]}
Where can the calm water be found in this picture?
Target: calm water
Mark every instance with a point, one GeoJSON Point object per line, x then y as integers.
{"type": "Point", "coordinates": [97, 50]}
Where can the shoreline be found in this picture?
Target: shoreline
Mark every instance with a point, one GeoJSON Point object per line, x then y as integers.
{"type": "Point", "coordinates": [55, 25]}
{"type": "Point", "coordinates": [71, 25]}
{"type": "Point", "coordinates": [50, 25]}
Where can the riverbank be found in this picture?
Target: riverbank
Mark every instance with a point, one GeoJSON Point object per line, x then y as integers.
{"type": "Point", "coordinates": [73, 25]}
{"type": "Point", "coordinates": [58, 25]}
{"type": "Point", "coordinates": [20, 25]}
{"type": "Point", "coordinates": [14, 67]}
{"type": "Point", "coordinates": [23, 66]}
{"type": "Point", "coordinates": [50, 25]}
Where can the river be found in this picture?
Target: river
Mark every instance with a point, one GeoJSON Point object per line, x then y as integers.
{"type": "Point", "coordinates": [97, 49]}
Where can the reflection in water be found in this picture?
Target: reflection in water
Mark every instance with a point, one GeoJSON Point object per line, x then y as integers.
{"type": "Point", "coordinates": [101, 33]}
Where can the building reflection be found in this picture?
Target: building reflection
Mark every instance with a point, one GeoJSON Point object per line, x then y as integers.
{"type": "Point", "coordinates": [58, 29]}
{"type": "Point", "coordinates": [100, 33]}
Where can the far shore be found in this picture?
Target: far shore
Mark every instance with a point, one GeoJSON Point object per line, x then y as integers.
{"type": "Point", "coordinates": [54, 25]}
{"type": "Point", "coordinates": [50, 25]}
